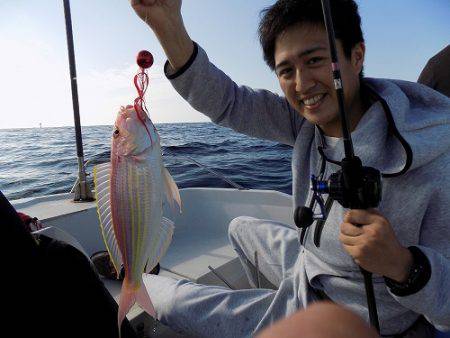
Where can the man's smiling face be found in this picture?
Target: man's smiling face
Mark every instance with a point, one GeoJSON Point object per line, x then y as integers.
{"type": "Point", "coordinates": [303, 68]}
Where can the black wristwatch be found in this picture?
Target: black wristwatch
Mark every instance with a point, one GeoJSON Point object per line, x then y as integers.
{"type": "Point", "coordinates": [419, 275]}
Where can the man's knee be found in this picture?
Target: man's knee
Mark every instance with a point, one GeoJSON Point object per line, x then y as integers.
{"type": "Point", "coordinates": [238, 225]}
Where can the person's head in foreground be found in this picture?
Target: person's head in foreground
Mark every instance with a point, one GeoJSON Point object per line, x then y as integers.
{"type": "Point", "coordinates": [321, 320]}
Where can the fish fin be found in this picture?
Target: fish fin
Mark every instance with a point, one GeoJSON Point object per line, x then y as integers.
{"type": "Point", "coordinates": [127, 300]}
{"type": "Point", "coordinates": [167, 229]}
{"type": "Point", "coordinates": [172, 193]}
{"type": "Point", "coordinates": [129, 295]}
{"type": "Point", "coordinates": [143, 299]}
{"type": "Point", "coordinates": [102, 173]}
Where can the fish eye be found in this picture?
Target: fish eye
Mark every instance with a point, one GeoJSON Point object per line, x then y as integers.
{"type": "Point", "coordinates": [116, 132]}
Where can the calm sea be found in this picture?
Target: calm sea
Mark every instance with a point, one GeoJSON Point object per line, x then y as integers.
{"type": "Point", "coordinates": [42, 161]}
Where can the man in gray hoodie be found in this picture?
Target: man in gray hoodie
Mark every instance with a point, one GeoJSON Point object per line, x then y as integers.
{"type": "Point", "coordinates": [398, 127]}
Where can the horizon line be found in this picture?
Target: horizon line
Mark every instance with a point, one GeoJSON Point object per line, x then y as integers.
{"type": "Point", "coordinates": [100, 125]}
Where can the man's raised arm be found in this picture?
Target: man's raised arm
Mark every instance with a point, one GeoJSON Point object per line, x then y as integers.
{"type": "Point", "coordinates": [257, 113]}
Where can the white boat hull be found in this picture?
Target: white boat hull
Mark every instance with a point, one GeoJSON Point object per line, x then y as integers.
{"type": "Point", "coordinates": [200, 239]}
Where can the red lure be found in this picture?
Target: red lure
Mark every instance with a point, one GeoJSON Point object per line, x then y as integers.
{"type": "Point", "coordinates": [144, 60]}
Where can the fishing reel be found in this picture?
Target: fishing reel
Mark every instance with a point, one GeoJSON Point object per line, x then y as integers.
{"type": "Point", "coordinates": [354, 187]}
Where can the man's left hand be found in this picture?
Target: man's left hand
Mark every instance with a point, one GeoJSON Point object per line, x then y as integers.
{"type": "Point", "coordinates": [369, 238]}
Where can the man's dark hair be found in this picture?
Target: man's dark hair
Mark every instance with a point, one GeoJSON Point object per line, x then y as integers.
{"type": "Point", "coordinates": [287, 13]}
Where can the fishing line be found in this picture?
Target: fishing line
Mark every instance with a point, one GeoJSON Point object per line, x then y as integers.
{"type": "Point", "coordinates": [144, 60]}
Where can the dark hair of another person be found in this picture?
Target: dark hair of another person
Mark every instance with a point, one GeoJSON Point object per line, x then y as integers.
{"type": "Point", "coordinates": [287, 13]}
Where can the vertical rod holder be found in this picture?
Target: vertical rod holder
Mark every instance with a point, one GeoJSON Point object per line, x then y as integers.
{"type": "Point", "coordinates": [82, 190]}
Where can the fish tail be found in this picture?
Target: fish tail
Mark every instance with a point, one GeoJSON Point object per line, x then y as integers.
{"type": "Point", "coordinates": [127, 300]}
{"type": "Point", "coordinates": [129, 295]}
{"type": "Point", "coordinates": [143, 299]}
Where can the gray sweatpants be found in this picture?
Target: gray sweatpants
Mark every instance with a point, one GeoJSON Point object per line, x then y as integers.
{"type": "Point", "coordinates": [276, 244]}
{"type": "Point", "coordinates": [213, 311]}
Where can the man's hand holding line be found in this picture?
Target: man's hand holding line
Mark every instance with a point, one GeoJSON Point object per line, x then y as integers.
{"type": "Point", "coordinates": [164, 18]}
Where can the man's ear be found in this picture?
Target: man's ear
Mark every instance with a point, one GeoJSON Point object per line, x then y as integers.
{"type": "Point", "coordinates": [358, 53]}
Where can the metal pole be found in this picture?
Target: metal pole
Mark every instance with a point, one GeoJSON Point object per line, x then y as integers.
{"type": "Point", "coordinates": [258, 278]}
{"type": "Point", "coordinates": [218, 275]}
{"type": "Point", "coordinates": [82, 190]}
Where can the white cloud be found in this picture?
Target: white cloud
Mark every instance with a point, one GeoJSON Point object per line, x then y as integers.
{"type": "Point", "coordinates": [105, 91]}
{"type": "Point", "coordinates": [35, 88]}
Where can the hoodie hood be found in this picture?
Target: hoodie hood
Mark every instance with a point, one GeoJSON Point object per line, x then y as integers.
{"type": "Point", "coordinates": [407, 127]}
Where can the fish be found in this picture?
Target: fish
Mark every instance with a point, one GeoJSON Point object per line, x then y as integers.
{"type": "Point", "coordinates": [130, 191]}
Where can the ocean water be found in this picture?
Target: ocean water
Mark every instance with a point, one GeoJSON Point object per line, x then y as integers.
{"type": "Point", "coordinates": [42, 161]}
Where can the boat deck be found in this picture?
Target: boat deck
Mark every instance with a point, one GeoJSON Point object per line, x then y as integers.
{"type": "Point", "coordinates": [200, 238]}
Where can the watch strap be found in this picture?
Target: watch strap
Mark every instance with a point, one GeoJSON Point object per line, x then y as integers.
{"type": "Point", "coordinates": [419, 275]}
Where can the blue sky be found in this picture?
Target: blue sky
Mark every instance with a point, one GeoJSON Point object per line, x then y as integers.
{"type": "Point", "coordinates": [401, 35]}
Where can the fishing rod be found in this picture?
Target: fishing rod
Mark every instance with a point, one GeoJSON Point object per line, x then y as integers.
{"type": "Point", "coordinates": [361, 186]}
{"type": "Point", "coordinates": [211, 171]}
{"type": "Point", "coordinates": [353, 186]}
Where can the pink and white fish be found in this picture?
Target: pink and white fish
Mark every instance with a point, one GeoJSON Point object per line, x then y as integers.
{"type": "Point", "coordinates": [130, 191]}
